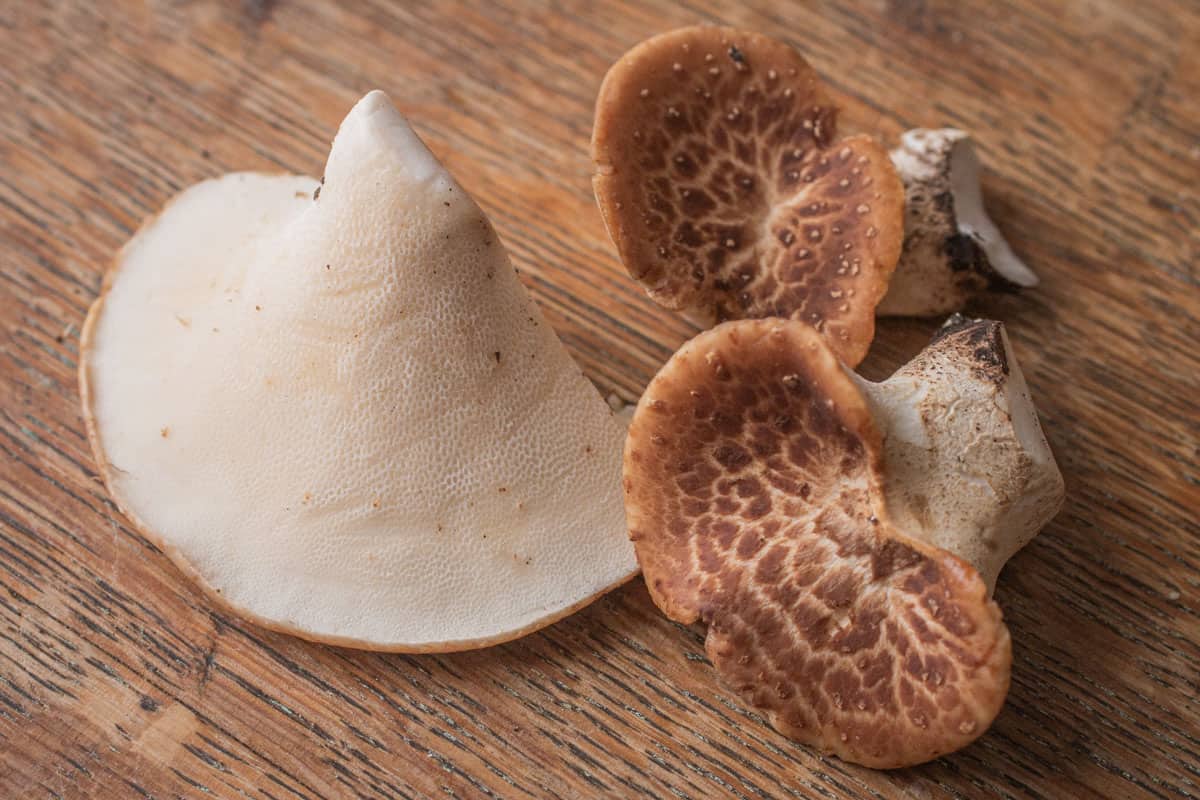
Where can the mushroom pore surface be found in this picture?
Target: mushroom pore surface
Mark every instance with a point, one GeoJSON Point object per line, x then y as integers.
{"type": "Point", "coordinates": [344, 416]}
{"type": "Point", "coordinates": [754, 498]}
{"type": "Point", "coordinates": [727, 193]}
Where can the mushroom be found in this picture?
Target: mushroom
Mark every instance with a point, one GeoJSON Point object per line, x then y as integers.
{"type": "Point", "coordinates": [839, 537]}
{"type": "Point", "coordinates": [336, 408]}
{"type": "Point", "coordinates": [952, 249]}
{"type": "Point", "coordinates": [728, 195]}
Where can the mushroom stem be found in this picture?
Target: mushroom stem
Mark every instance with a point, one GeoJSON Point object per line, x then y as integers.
{"type": "Point", "coordinates": [968, 468]}
{"type": "Point", "coordinates": [952, 249]}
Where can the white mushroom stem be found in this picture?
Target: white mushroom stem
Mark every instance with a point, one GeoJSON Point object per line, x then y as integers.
{"type": "Point", "coordinates": [967, 467]}
{"type": "Point", "coordinates": [952, 249]}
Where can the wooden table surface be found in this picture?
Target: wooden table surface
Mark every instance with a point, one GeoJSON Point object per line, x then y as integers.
{"type": "Point", "coordinates": [118, 679]}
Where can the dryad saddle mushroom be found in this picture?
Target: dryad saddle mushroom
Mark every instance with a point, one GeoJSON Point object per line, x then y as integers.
{"type": "Point", "coordinates": [336, 408]}
{"type": "Point", "coordinates": [728, 194]}
{"type": "Point", "coordinates": [838, 537]}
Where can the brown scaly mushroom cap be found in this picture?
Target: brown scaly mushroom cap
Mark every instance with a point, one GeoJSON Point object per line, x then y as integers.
{"type": "Point", "coordinates": [728, 195]}
{"type": "Point", "coordinates": [952, 249]}
{"type": "Point", "coordinates": [758, 500]}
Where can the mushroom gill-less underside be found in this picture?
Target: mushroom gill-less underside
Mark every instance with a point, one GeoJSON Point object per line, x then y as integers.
{"type": "Point", "coordinates": [753, 499]}
{"type": "Point", "coordinates": [336, 408]}
{"type": "Point", "coordinates": [728, 194]}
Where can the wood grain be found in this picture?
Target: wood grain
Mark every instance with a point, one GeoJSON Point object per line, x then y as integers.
{"type": "Point", "coordinates": [117, 679]}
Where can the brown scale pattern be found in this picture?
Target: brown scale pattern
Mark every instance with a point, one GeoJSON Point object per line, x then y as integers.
{"type": "Point", "coordinates": [720, 178]}
{"type": "Point", "coordinates": [752, 480]}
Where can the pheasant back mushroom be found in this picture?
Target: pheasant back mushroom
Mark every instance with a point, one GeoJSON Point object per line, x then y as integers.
{"type": "Point", "coordinates": [724, 186]}
{"type": "Point", "coordinates": [759, 501]}
{"type": "Point", "coordinates": [337, 409]}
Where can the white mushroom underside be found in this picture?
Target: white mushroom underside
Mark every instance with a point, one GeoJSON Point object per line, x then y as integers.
{"type": "Point", "coordinates": [347, 416]}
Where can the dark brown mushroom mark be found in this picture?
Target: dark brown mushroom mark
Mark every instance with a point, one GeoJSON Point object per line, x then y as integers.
{"type": "Point", "coordinates": [965, 255]}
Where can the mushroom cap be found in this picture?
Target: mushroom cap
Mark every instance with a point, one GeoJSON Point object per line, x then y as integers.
{"type": "Point", "coordinates": [345, 418]}
{"type": "Point", "coordinates": [754, 499]}
{"type": "Point", "coordinates": [952, 249]}
{"type": "Point", "coordinates": [727, 193]}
